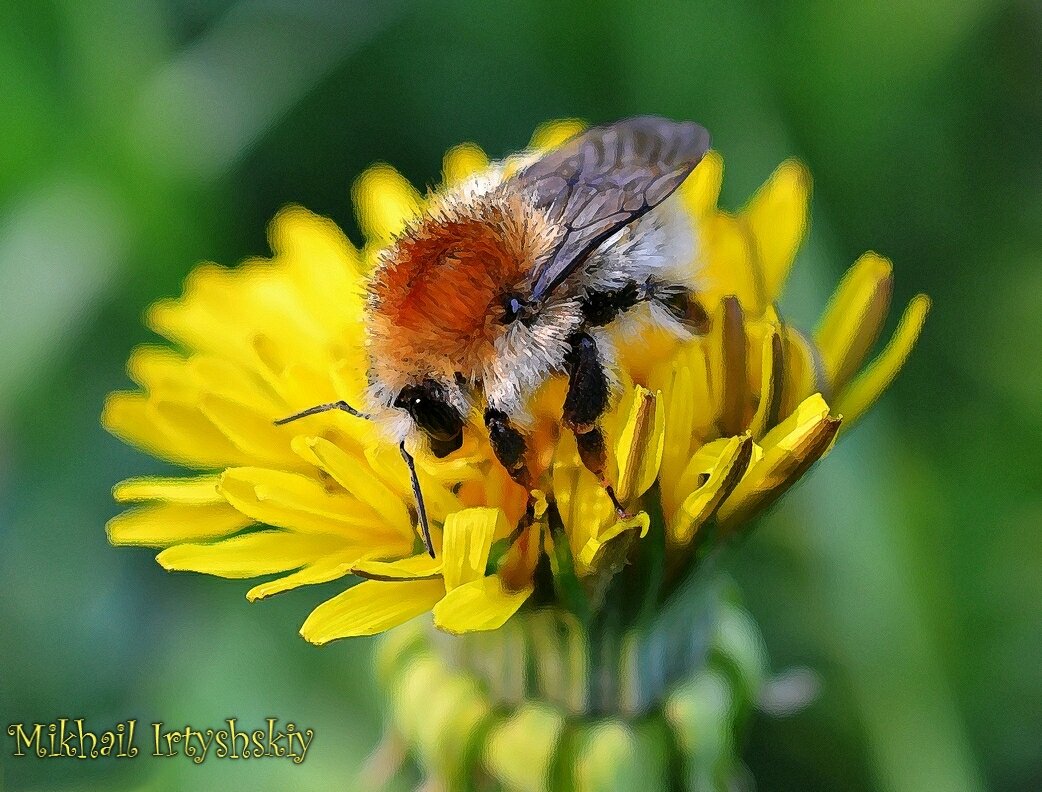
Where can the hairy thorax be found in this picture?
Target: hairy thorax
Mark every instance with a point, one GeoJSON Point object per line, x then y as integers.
{"type": "Point", "coordinates": [437, 296]}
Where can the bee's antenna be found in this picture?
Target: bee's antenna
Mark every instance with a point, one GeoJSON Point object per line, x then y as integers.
{"type": "Point", "coordinates": [425, 527]}
{"type": "Point", "coordinates": [321, 408]}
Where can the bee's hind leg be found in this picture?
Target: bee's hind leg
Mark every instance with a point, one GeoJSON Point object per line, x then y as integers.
{"type": "Point", "coordinates": [585, 403]}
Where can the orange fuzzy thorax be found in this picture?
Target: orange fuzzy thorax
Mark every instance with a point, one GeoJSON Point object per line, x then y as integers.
{"type": "Point", "coordinates": [436, 296]}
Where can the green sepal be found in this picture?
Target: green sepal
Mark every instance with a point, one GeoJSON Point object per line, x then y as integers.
{"type": "Point", "coordinates": [520, 750]}
{"type": "Point", "coordinates": [702, 713]}
{"type": "Point", "coordinates": [614, 754]}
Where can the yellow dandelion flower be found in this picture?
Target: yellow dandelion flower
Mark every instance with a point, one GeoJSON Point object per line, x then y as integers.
{"type": "Point", "coordinates": [707, 431]}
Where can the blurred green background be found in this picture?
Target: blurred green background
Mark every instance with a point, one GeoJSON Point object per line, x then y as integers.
{"type": "Point", "coordinates": [138, 138]}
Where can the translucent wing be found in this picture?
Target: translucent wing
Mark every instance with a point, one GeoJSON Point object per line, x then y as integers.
{"type": "Point", "coordinates": [604, 179]}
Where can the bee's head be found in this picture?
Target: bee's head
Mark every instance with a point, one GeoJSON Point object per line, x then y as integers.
{"type": "Point", "coordinates": [427, 403]}
{"type": "Point", "coordinates": [445, 298]}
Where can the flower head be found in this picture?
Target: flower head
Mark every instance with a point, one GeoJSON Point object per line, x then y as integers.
{"type": "Point", "coordinates": [705, 433]}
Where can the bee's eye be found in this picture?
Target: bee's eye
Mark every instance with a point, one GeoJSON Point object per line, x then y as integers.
{"type": "Point", "coordinates": [427, 406]}
{"type": "Point", "coordinates": [513, 307]}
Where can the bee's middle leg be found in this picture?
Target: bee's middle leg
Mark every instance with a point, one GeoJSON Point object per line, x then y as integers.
{"type": "Point", "coordinates": [586, 401]}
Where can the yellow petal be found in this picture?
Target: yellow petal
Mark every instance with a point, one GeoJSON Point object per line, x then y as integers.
{"type": "Point", "coordinates": [384, 201]}
{"type": "Point", "coordinates": [386, 461]}
{"type": "Point", "coordinates": [876, 378]}
{"type": "Point", "coordinates": [321, 571]}
{"type": "Point", "coordinates": [221, 309]}
{"type": "Point", "coordinates": [701, 190]}
{"type": "Point", "coordinates": [302, 386]}
{"type": "Point", "coordinates": [728, 346]}
{"type": "Point", "coordinates": [552, 134]}
{"type": "Point", "coordinates": [189, 321]}
{"type": "Point", "coordinates": [729, 265]}
{"type": "Point", "coordinates": [639, 450]}
{"type": "Point", "coordinates": [369, 608]}
{"type": "Point", "coordinates": [311, 241]}
{"type": "Point", "coordinates": [680, 420]}
{"type": "Point", "coordinates": [719, 476]}
{"type": "Point", "coordinates": [252, 554]}
{"type": "Point", "coordinates": [802, 375]}
{"type": "Point", "coordinates": [461, 162]}
{"type": "Point", "coordinates": [539, 503]}
{"type": "Point", "coordinates": [641, 353]}
{"type": "Point", "coordinates": [414, 567]}
{"type": "Point", "coordinates": [590, 553]}
{"type": "Point", "coordinates": [155, 367]}
{"type": "Point", "coordinates": [466, 542]}
{"type": "Point", "coordinates": [687, 408]}
{"type": "Point", "coordinates": [353, 474]}
{"type": "Point", "coordinates": [482, 604]}
{"type": "Point", "coordinates": [161, 524]}
{"type": "Point", "coordinates": [296, 502]}
{"type": "Point", "coordinates": [194, 438]}
{"type": "Point", "coordinates": [133, 419]}
{"type": "Point", "coordinates": [190, 491]}
{"type": "Point", "coordinates": [349, 381]}
{"type": "Point", "coordinates": [777, 216]}
{"type": "Point", "coordinates": [234, 382]}
{"type": "Point", "coordinates": [690, 414]}
{"type": "Point", "coordinates": [788, 435]}
{"type": "Point", "coordinates": [855, 315]}
{"type": "Point", "coordinates": [251, 431]}
{"type": "Point", "coordinates": [788, 450]}
{"type": "Point", "coordinates": [698, 465]}
{"type": "Point", "coordinates": [767, 409]}
{"type": "Point", "coordinates": [581, 501]}
{"type": "Point", "coordinates": [124, 416]}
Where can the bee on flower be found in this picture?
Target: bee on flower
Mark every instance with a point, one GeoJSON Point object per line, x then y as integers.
{"type": "Point", "coordinates": [498, 398]}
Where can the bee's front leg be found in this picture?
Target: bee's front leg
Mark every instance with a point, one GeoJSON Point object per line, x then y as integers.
{"type": "Point", "coordinates": [585, 403]}
{"type": "Point", "coordinates": [509, 446]}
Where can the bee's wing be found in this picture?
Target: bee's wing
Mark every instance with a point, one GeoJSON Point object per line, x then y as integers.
{"type": "Point", "coordinates": [604, 179]}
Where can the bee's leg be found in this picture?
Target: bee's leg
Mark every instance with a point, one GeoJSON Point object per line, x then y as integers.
{"type": "Point", "coordinates": [421, 508]}
{"type": "Point", "coordinates": [417, 493]}
{"type": "Point", "coordinates": [321, 408]}
{"type": "Point", "coordinates": [584, 404]}
{"type": "Point", "coordinates": [509, 446]}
